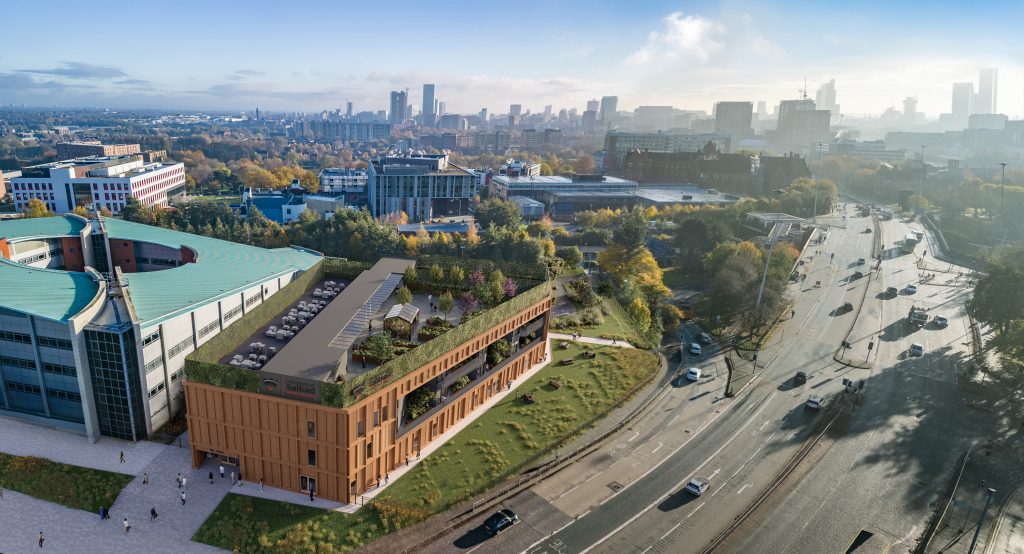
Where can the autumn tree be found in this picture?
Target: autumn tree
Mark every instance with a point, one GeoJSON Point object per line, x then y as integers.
{"type": "Point", "coordinates": [36, 208]}
{"type": "Point", "coordinates": [498, 212]}
{"type": "Point", "coordinates": [403, 295]}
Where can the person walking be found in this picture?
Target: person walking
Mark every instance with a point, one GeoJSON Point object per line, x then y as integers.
{"type": "Point", "coordinates": [178, 479]}
{"type": "Point", "coordinates": [232, 478]}
{"type": "Point", "coordinates": [184, 482]}
{"type": "Point", "coordinates": [385, 478]}
{"type": "Point", "coordinates": [222, 471]}
{"type": "Point", "coordinates": [41, 539]}
{"type": "Point", "coordinates": [145, 478]}
{"type": "Point", "coordinates": [122, 456]}
{"type": "Point", "coordinates": [211, 477]}
{"type": "Point", "coordinates": [127, 526]}
{"type": "Point", "coordinates": [239, 477]}
{"type": "Point", "coordinates": [311, 494]}
{"type": "Point", "coordinates": [261, 484]}
{"type": "Point", "coordinates": [101, 514]}
{"type": "Point", "coordinates": [182, 498]}
{"type": "Point", "coordinates": [152, 513]}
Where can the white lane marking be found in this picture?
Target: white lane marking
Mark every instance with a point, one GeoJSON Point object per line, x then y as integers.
{"type": "Point", "coordinates": [721, 487]}
{"type": "Point", "coordinates": [743, 488]}
{"type": "Point", "coordinates": [770, 437]}
{"type": "Point", "coordinates": [671, 421]}
{"type": "Point", "coordinates": [755, 453]}
{"type": "Point", "coordinates": [646, 549]}
{"type": "Point", "coordinates": [695, 509]}
{"type": "Point", "coordinates": [594, 476]}
{"type": "Point", "coordinates": [713, 473]}
{"type": "Point", "coordinates": [574, 487]}
{"type": "Point", "coordinates": [631, 439]}
{"type": "Point", "coordinates": [658, 447]}
{"type": "Point", "coordinates": [739, 469]}
{"type": "Point", "coordinates": [680, 483]}
{"type": "Point", "coordinates": [670, 530]}
{"type": "Point", "coordinates": [763, 425]}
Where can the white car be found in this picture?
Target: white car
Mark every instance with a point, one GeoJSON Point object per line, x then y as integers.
{"type": "Point", "coordinates": [698, 485]}
{"type": "Point", "coordinates": [693, 374]}
{"type": "Point", "coordinates": [694, 349]}
{"type": "Point", "coordinates": [814, 402]}
{"type": "Point", "coordinates": [910, 289]}
{"type": "Point", "coordinates": [917, 349]}
{"type": "Point", "coordinates": [941, 321]}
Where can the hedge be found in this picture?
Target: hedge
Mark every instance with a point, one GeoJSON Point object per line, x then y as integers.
{"type": "Point", "coordinates": [221, 375]}
{"type": "Point", "coordinates": [345, 269]}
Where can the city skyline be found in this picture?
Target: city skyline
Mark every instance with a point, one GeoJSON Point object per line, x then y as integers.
{"type": "Point", "coordinates": [688, 55]}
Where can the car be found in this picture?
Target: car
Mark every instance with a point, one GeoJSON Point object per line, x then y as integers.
{"type": "Point", "coordinates": [868, 230]}
{"type": "Point", "coordinates": [814, 402]}
{"type": "Point", "coordinates": [916, 349]}
{"type": "Point", "coordinates": [910, 288]}
{"type": "Point", "coordinates": [892, 291]}
{"type": "Point", "coordinates": [800, 378]}
{"type": "Point", "coordinates": [941, 321]}
{"type": "Point", "coordinates": [698, 485]}
{"type": "Point", "coordinates": [704, 338]}
{"type": "Point", "coordinates": [693, 374]}
{"type": "Point", "coordinates": [861, 261]}
{"type": "Point", "coordinates": [694, 349]}
{"type": "Point", "coordinates": [501, 520]}
{"type": "Point", "coordinates": [856, 275]}
{"type": "Point", "coordinates": [846, 307]}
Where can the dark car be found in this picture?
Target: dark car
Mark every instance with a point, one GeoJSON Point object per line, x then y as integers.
{"type": "Point", "coordinates": [846, 307]}
{"type": "Point", "coordinates": [704, 338]}
{"type": "Point", "coordinates": [856, 275]}
{"type": "Point", "coordinates": [500, 521]}
{"type": "Point", "coordinates": [800, 378]}
{"type": "Point", "coordinates": [892, 291]}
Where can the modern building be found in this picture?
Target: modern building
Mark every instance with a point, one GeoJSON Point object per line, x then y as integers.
{"type": "Point", "coordinates": [563, 206]}
{"type": "Point", "coordinates": [399, 106]}
{"type": "Point", "coordinates": [609, 109]}
{"type": "Point", "coordinates": [96, 316]}
{"type": "Point", "coordinates": [801, 123]}
{"type": "Point", "coordinates": [429, 113]}
{"type": "Point", "coordinates": [529, 209]}
{"type": "Point", "coordinates": [343, 130]}
{"type": "Point", "coordinates": [617, 145]}
{"type": "Point", "coordinates": [98, 182]}
{"type": "Point", "coordinates": [279, 206]}
{"type": "Point", "coordinates": [988, 89]}
{"type": "Point", "coordinates": [734, 119]}
{"type": "Point", "coordinates": [423, 186]}
{"type": "Point", "coordinates": [5, 180]}
{"type": "Point", "coordinates": [537, 186]}
{"type": "Point", "coordinates": [69, 150]}
{"type": "Point", "coordinates": [515, 110]}
{"type": "Point", "coordinates": [735, 173]}
{"type": "Point", "coordinates": [963, 100]}
{"type": "Point", "coordinates": [349, 183]}
{"type": "Point", "coordinates": [825, 99]}
{"type": "Point", "coordinates": [307, 420]}
{"type": "Point", "coordinates": [519, 168]}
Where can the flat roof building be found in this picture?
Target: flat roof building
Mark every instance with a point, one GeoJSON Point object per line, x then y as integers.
{"type": "Point", "coordinates": [536, 186]}
{"type": "Point", "coordinates": [82, 149]}
{"type": "Point", "coordinates": [423, 186]}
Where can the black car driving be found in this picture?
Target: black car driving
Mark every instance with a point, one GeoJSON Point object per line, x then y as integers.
{"type": "Point", "coordinates": [500, 521]}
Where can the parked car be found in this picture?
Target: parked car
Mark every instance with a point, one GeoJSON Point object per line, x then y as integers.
{"type": "Point", "coordinates": [694, 349]}
{"type": "Point", "coordinates": [941, 321]}
{"type": "Point", "coordinates": [704, 338]}
{"type": "Point", "coordinates": [917, 349]}
{"type": "Point", "coordinates": [698, 485]}
{"type": "Point", "coordinates": [814, 402]}
{"type": "Point", "coordinates": [846, 307]}
{"type": "Point", "coordinates": [910, 288]}
{"type": "Point", "coordinates": [800, 378]}
{"type": "Point", "coordinates": [856, 275]}
{"type": "Point", "coordinates": [892, 291]}
{"type": "Point", "coordinates": [693, 374]}
{"type": "Point", "coordinates": [861, 261]}
{"type": "Point", "coordinates": [501, 520]}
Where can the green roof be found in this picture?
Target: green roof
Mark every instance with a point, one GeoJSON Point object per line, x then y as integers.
{"type": "Point", "coordinates": [56, 295]}
{"type": "Point", "coordinates": [57, 226]}
{"type": "Point", "coordinates": [221, 268]}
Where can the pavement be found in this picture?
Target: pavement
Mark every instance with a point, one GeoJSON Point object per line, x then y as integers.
{"type": "Point", "coordinates": [590, 340]}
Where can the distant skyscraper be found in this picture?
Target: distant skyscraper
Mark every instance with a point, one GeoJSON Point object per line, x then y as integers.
{"type": "Point", "coordinates": [609, 107]}
{"type": "Point", "coordinates": [547, 110]}
{"type": "Point", "coordinates": [483, 115]}
{"type": "Point", "coordinates": [441, 108]}
{"type": "Point", "coordinates": [762, 109]}
{"type": "Point", "coordinates": [963, 97]}
{"type": "Point", "coordinates": [826, 97]}
{"type": "Point", "coordinates": [399, 105]}
{"type": "Point", "coordinates": [593, 105]}
{"type": "Point", "coordinates": [515, 109]}
{"type": "Point", "coordinates": [988, 85]}
{"type": "Point", "coordinates": [910, 110]}
{"type": "Point", "coordinates": [734, 118]}
{"type": "Point", "coordinates": [348, 109]}
{"type": "Point", "coordinates": [429, 115]}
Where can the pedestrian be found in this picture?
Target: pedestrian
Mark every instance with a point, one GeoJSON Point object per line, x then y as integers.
{"type": "Point", "coordinates": [378, 481]}
{"type": "Point", "coordinates": [182, 498]}
{"type": "Point", "coordinates": [178, 479]}
{"type": "Point", "coordinates": [239, 477]}
{"type": "Point", "coordinates": [122, 456]}
{"type": "Point", "coordinates": [106, 513]}
{"type": "Point", "coordinates": [261, 484]}
{"type": "Point", "coordinates": [41, 539]}
{"type": "Point", "coordinates": [127, 526]}
{"type": "Point", "coordinates": [232, 478]}
{"type": "Point", "coordinates": [184, 482]}
{"type": "Point", "coordinates": [417, 454]}
{"type": "Point", "coordinates": [145, 478]}
{"type": "Point", "coordinates": [152, 513]}
{"type": "Point", "coordinates": [1, 493]}
{"type": "Point", "coordinates": [211, 477]}
{"type": "Point", "coordinates": [102, 515]}
{"type": "Point", "coordinates": [509, 387]}
{"type": "Point", "coordinates": [311, 494]}
{"type": "Point", "coordinates": [406, 461]}
{"type": "Point", "coordinates": [222, 471]}
{"type": "Point", "coordinates": [385, 478]}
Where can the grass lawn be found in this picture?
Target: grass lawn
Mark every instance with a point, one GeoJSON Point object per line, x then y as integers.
{"type": "Point", "coordinates": [501, 440]}
{"type": "Point", "coordinates": [217, 199]}
{"type": "Point", "coordinates": [616, 324]}
{"type": "Point", "coordinates": [675, 279]}
{"type": "Point", "coordinates": [76, 487]}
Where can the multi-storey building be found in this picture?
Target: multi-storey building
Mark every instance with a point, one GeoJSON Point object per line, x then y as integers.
{"type": "Point", "coordinates": [734, 118]}
{"type": "Point", "coordinates": [69, 150]}
{"type": "Point", "coordinates": [336, 180]}
{"type": "Point", "coordinates": [537, 186]}
{"type": "Point", "coordinates": [617, 145]}
{"type": "Point", "coordinates": [801, 123]}
{"type": "Point", "coordinates": [423, 187]}
{"type": "Point", "coordinates": [735, 173]}
{"type": "Point", "coordinates": [98, 182]}
{"type": "Point", "coordinates": [343, 130]}
{"type": "Point", "coordinates": [96, 316]}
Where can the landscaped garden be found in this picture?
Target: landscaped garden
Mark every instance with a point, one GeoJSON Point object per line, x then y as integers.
{"type": "Point", "coordinates": [76, 487]}
{"type": "Point", "coordinates": [513, 433]}
{"type": "Point", "coordinates": [596, 315]}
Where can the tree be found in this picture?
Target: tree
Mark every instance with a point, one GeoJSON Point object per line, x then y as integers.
{"type": "Point", "coordinates": [403, 295]}
{"type": "Point", "coordinates": [133, 210]}
{"type": "Point", "coordinates": [695, 238]}
{"type": "Point", "coordinates": [584, 165]}
{"type": "Point", "coordinates": [639, 314]}
{"type": "Point", "coordinates": [380, 347]}
{"type": "Point", "coordinates": [36, 208]}
{"type": "Point", "coordinates": [998, 297]}
{"type": "Point", "coordinates": [631, 229]}
{"type": "Point", "coordinates": [436, 274]}
{"type": "Point", "coordinates": [445, 303]}
{"type": "Point", "coordinates": [410, 278]}
{"type": "Point", "coordinates": [468, 303]}
{"type": "Point", "coordinates": [80, 211]}
{"type": "Point", "coordinates": [498, 212]}
{"type": "Point", "coordinates": [571, 255]}
{"type": "Point", "coordinates": [456, 275]}
{"type": "Point", "coordinates": [260, 178]}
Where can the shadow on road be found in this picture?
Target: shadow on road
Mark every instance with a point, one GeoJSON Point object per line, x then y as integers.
{"type": "Point", "coordinates": [677, 500]}
{"type": "Point", "coordinates": [473, 537]}
{"type": "Point", "coordinates": [897, 330]}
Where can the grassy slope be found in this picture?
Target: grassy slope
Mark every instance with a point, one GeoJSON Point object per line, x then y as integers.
{"type": "Point", "coordinates": [76, 487]}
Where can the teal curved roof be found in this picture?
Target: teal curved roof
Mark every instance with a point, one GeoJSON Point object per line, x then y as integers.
{"type": "Point", "coordinates": [221, 268]}
{"type": "Point", "coordinates": [57, 226]}
{"type": "Point", "coordinates": [56, 295]}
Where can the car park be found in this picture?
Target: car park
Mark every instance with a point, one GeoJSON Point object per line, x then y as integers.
{"type": "Point", "coordinates": [704, 338]}
{"type": "Point", "coordinates": [800, 378]}
{"type": "Point", "coordinates": [916, 349]}
{"type": "Point", "coordinates": [693, 374]}
{"type": "Point", "coordinates": [814, 402]}
{"type": "Point", "coordinates": [698, 485]}
{"type": "Point", "coordinates": [941, 321]}
{"type": "Point", "coordinates": [501, 520]}
{"type": "Point", "coordinates": [910, 288]}
{"type": "Point", "coordinates": [694, 349]}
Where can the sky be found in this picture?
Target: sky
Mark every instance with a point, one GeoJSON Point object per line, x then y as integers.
{"type": "Point", "coordinates": [315, 55]}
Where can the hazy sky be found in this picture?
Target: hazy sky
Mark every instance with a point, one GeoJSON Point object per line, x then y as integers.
{"type": "Point", "coordinates": [312, 55]}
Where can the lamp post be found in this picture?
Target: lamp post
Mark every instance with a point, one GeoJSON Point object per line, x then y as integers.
{"type": "Point", "coordinates": [981, 521]}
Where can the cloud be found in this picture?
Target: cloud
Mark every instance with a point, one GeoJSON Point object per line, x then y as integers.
{"type": "Point", "coordinates": [142, 83]}
{"type": "Point", "coordinates": [79, 70]}
{"type": "Point", "coordinates": [689, 37]}
{"type": "Point", "coordinates": [250, 73]}
{"type": "Point", "coordinates": [268, 91]}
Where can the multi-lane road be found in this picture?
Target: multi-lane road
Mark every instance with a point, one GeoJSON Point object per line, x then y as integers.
{"type": "Point", "coordinates": [877, 472]}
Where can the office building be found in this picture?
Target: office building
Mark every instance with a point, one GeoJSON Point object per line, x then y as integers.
{"type": "Point", "coordinates": [515, 110]}
{"type": "Point", "coordinates": [311, 419]}
{"type": "Point", "coordinates": [537, 186]}
{"type": "Point", "coordinates": [98, 182]}
{"type": "Point", "coordinates": [343, 130]}
{"type": "Point", "coordinates": [423, 186]}
{"type": "Point", "coordinates": [97, 316]}
{"type": "Point", "coordinates": [735, 173]}
{"type": "Point", "coordinates": [801, 123]}
{"type": "Point", "coordinates": [963, 99]}
{"type": "Point", "coordinates": [910, 110]}
{"type": "Point", "coordinates": [609, 109]}
{"type": "Point", "coordinates": [825, 99]}
{"type": "Point", "coordinates": [429, 113]}
{"type": "Point", "coordinates": [734, 118]}
{"type": "Point", "coordinates": [589, 121]}
{"type": "Point", "coordinates": [5, 180]}
{"type": "Point", "coordinates": [653, 118]}
{"type": "Point", "coordinates": [348, 109]}
{"type": "Point", "coordinates": [519, 168]}
{"type": "Point", "coordinates": [593, 106]}
{"type": "Point", "coordinates": [278, 205]}
{"type": "Point", "coordinates": [399, 106]}
{"type": "Point", "coordinates": [617, 145]}
{"type": "Point", "coordinates": [988, 88]}
{"type": "Point", "coordinates": [70, 150]}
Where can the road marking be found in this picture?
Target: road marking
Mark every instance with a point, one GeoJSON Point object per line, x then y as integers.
{"type": "Point", "coordinates": [671, 421]}
{"type": "Point", "coordinates": [770, 437]}
{"type": "Point", "coordinates": [713, 473]}
{"type": "Point", "coordinates": [660, 444]}
{"type": "Point", "coordinates": [763, 425]}
{"type": "Point", "coordinates": [755, 453]}
{"type": "Point", "coordinates": [646, 549]}
{"type": "Point", "coordinates": [576, 486]}
{"type": "Point", "coordinates": [670, 531]}
{"type": "Point", "coordinates": [721, 487]}
{"type": "Point", "coordinates": [739, 469]}
{"type": "Point", "coordinates": [592, 477]}
{"type": "Point", "coordinates": [631, 439]}
{"type": "Point", "coordinates": [744, 487]}
{"type": "Point", "coordinates": [695, 509]}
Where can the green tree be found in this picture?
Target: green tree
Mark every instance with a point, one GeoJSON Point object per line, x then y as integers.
{"type": "Point", "coordinates": [380, 347]}
{"type": "Point", "coordinates": [998, 296]}
{"type": "Point", "coordinates": [631, 229]}
{"type": "Point", "coordinates": [36, 208]}
{"type": "Point", "coordinates": [445, 303]}
{"type": "Point", "coordinates": [639, 314]}
{"type": "Point", "coordinates": [135, 211]}
{"type": "Point", "coordinates": [456, 275]}
{"type": "Point", "coordinates": [437, 274]}
{"type": "Point", "coordinates": [410, 278]}
{"type": "Point", "coordinates": [500, 213]}
{"type": "Point", "coordinates": [571, 255]}
{"type": "Point", "coordinates": [403, 295]}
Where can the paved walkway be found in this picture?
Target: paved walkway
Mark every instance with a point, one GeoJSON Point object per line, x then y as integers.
{"type": "Point", "coordinates": [591, 340]}
{"type": "Point", "coordinates": [28, 439]}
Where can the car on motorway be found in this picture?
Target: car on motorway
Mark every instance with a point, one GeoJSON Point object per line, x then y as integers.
{"type": "Point", "coordinates": [800, 378]}
{"type": "Point", "coordinates": [861, 261]}
{"type": "Point", "coordinates": [940, 321]}
{"type": "Point", "coordinates": [856, 275]}
{"type": "Point", "coordinates": [910, 288]}
{"type": "Point", "coordinates": [704, 338]}
{"type": "Point", "coordinates": [698, 485]}
{"type": "Point", "coordinates": [501, 520]}
{"type": "Point", "coordinates": [892, 291]}
{"type": "Point", "coordinates": [916, 349]}
{"type": "Point", "coordinates": [693, 374]}
{"type": "Point", "coordinates": [814, 402]}
{"type": "Point", "coordinates": [846, 307]}
{"type": "Point", "coordinates": [694, 349]}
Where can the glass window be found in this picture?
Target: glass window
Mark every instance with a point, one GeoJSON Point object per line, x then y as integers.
{"type": "Point", "coordinates": [311, 429]}
{"type": "Point", "coordinates": [311, 457]}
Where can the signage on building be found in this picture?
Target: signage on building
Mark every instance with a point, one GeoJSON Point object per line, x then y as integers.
{"type": "Point", "coordinates": [287, 386]}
